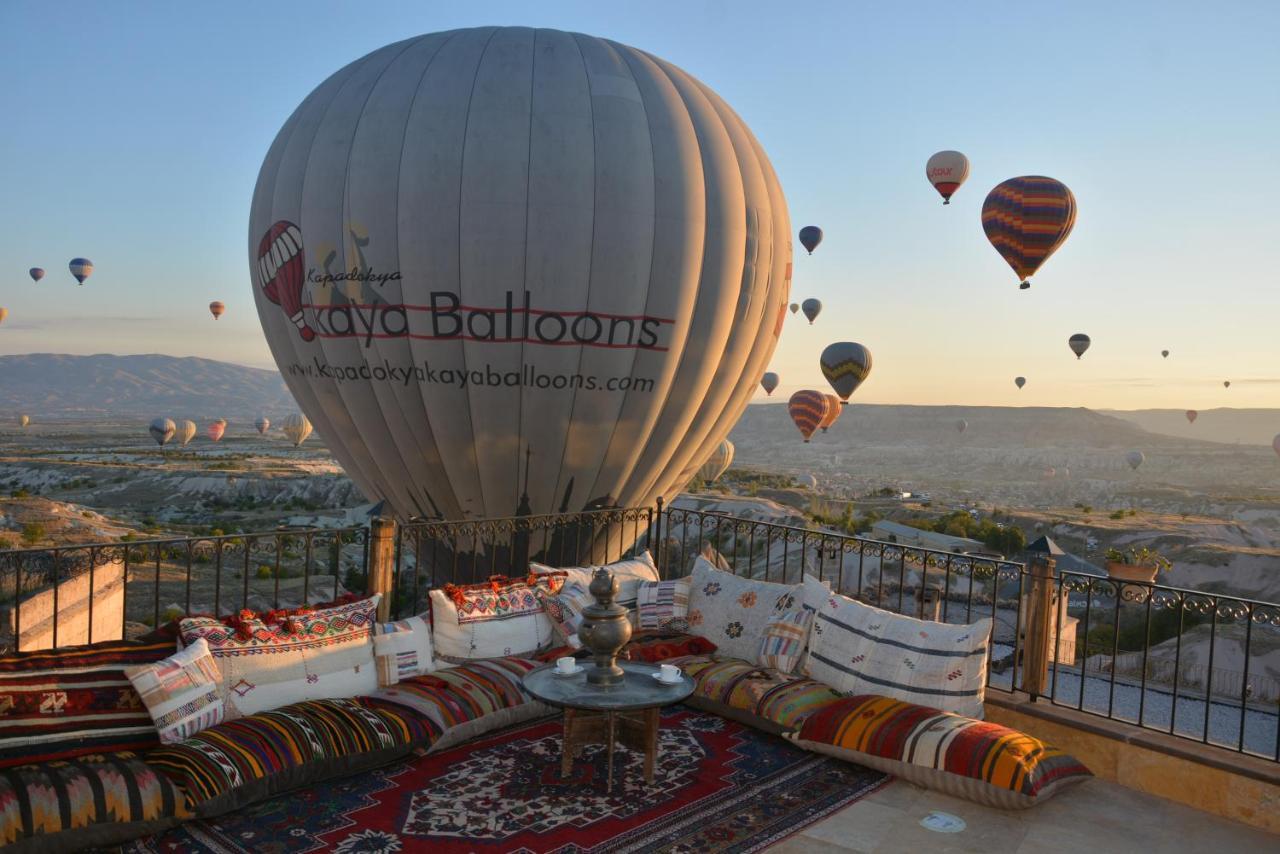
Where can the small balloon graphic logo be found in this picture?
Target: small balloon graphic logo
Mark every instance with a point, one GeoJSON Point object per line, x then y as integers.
{"type": "Point", "coordinates": [281, 274]}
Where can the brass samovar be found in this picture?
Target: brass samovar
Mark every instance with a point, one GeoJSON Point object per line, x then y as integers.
{"type": "Point", "coordinates": [605, 629]}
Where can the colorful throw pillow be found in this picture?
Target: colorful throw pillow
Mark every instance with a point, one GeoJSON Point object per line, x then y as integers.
{"type": "Point", "coordinates": [629, 573]}
{"type": "Point", "coordinates": [62, 703]}
{"type": "Point", "coordinates": [403, 650]}
{"type": "Point", "coordinates": [785, 637]}
{"type": "Point", "coordinates": [316, 655]}
{"type": "Point", "coordinates": [653, 647]}
{"type": "Point", "coordinates": [564, 609]}
{"type": "Point", "coordinates": [979, 761]}
{"type": "Point", "coordinates": [182, 693]}
{"type": "Point", "coordinates": [499, 617]}
{"type": "Point", "coordinates": [858, 649]}
{"type": "Point", "coordinates": [663, 605]}
{"type": "Point", "coordinates": [732, 612]}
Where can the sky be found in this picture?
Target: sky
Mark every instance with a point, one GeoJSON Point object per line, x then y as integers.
{"type": "Point", "coordinates": [134, 133]}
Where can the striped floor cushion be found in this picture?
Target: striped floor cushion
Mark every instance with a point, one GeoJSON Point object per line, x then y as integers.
{"type": "Point", "coordinates": [976, 760]}
{"type": "Point", "coordinates": [251, 758]}
{"type": "Point", "coordinates": [84, 803]}
{"type": "Point", "coordinates": [756, 696]}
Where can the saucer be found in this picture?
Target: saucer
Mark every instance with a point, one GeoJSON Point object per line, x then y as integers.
{"type": "Point", "coordinates": [657, 677]}
{"type": "Point", "coordinates": [557, 672]}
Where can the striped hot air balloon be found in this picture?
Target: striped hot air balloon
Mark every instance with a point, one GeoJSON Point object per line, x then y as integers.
{"type": "Point", "coordinates": [297, 428]}
{"type": "Point", "coordinates": [769, 382]}
{"type": "Point", "coordinates": [186, 432]}
{"type": "Point", "coordinates": [719, 462]}
{"type": "Point", "coordinates": [833, 412]}
{"type": "Point", "coordinates": [845, 365]}
{"type": "Point", "coordinates": [808, 408]}
{"type": "Point", "coordinates": [81, 268]}
{"type": "Point", "coordinates": [216, 429]}
{"type": "Point", "coordinates": [36, 273]}
{"type": "Point", "coordinates": [946, 171]}
{"type": "Point", "coordinates": [1027, 219]}
{"type": "Point", "coordinates": [216, 308]}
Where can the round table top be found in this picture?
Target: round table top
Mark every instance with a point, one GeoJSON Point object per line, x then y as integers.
{"type": "Point", "coordinates": [639, 690]}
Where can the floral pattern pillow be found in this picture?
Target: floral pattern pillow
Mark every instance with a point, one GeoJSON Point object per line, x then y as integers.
{"type": "Point", "coordinates": [733, 612]}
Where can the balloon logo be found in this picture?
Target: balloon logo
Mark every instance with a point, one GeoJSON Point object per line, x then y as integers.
{"type": "Point", "coordinates": [217, 309]}
{"type": "Point", "coordinates": [769, 382]}
{"type": "Point", "coordinates": [833, 412]}
{"type": "Point", "coordinates": [1134, 459]}
{"type": "Point", "coordinates": [845, 365]}
{"type": "Point", "coordinates": [1027, 219]}
{"type": "Point", "coordinates": [186, 432]}
{"type": "Point", "coordinates": [263, 424]}
{"type": "Point", "coordinates": [1192, 415]}
{"type": "Point", "coordinates": [36, 273]}
{"type": "Point", "coordinates": [718, 464]}
{"type": "Point", "coordinates": [1079, 343]}
{"type": "Point", "coordinates": [810, 237]}
{"type": "Point", "coordinates": [281, 274]}
{"type": "Point", "coordinates": [808, 408]}
{"type": "Point", "coordinates": [811, 308]}
{"type": "Point", "coordinates": [162, 430]}
{"type": "Point", "coordinates": [946, 171]}
{"type": "Point", "coordinates": [1019, 381]}
{"type": "Point", "coordinates": [81, 268]}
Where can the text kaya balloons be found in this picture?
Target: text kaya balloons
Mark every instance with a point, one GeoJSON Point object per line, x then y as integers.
{"type": "Point", "coordinates": [961, 425]}
{"type": "Point", "coordinates": [186, 431]}
{"type": "Point", "coordinates": [1027, 219]}
{"type": "Point", "coordinates": [946, 171]}
{"type": "Point", "coordinates": [1019, 381]}
{"type": "Point", "coordinates": [162, 430]}
{"type": "Point", "coordinates": [581, 262]}
{"type": "Point", "coordinates": [810, 237]}
{"type": "Point", "coordinates": [845, 365]}
{"type": "Point", "coordinates": [36, 273]}
{"type": "Point", "coordinates": [217, 309]}
{"type": "Point", "coordinates": [1079, 343]}
{"type": "Point", "coordinates": [263, 424]}
{"type": "Point", "coordinates": [1134, 459]}
{"type": "Point", "coordinates": [769, 382]}
{"type": "Point", "coordinates": [718, 463]}
{"type": "Point", "coordinates": [297, 428]}
{"type": "Point", "coordinates": [807, 409]}
{"type": "Point", "coordinates": [216, 429]}
{"type": "Point", "coordinates": [81, 268]}
{"type": "Point", "coordinates": [833, 412]}
{"type": "Point", "coordinates": [811, 308]}
{"type": "Point", "coordinates": [1192, 415]}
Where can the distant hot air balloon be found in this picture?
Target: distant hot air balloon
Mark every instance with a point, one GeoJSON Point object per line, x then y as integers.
{"type": "Point", "coordinates": [808, 481]}
{"type": "Point", "coordinates": [1164, 353]}
{"type": "Point", "coordinates": [216, 429]}
{"type": "Point", "coordinates": [1019, 381]}
{"type": "Point", "coordinates": [297, 428]}
{"type": "Point", "coordinates": [24, 420]}
{"type": "Point", "coordinates": [36, 273]}
{"type": "Point", "coordinates": [81, 268]}
{"type": "Point", "coordinates": [1275, 444]}
{"type": "Point", "coordinates": [263, 424]}
{"type": "Point", "coordinates": [833, 412]}
{"type": "Point", "coordinates": [1079, 343]}
{"type": "Point", "coordinates": [1192, 415]}
{"type": "Point", "coordinates": [811, 308]}
{"type": "Point", "coordinates": [961, 425]}
{"type": "Point", "coordinates": [216, 308]}
{"type": "Point", "coordinates": [946, 171]}
{"type": "Point", "coordinates": [795, 306]}
{"type": "Point", "coordinates": [4, 312]}
{"type": "Point", "coordinates": [1050, 472]}
{"type": "Point", "coordinates": [1027, 219]}
{"type": "Point", "coordinates": [718, 463]}
{"type": "Point", "coordinates": [845, 365]}
{"type": "Point", "coordinates": [808, 408]}
{"type": "Point", "coordinates": [1134, 459]}
{"type": "Point", "coordinates": [1226, 383]}
{"type": "Point", "coordinates": [186, 432]}
{"type": "Point", "coordinates": [810, 237]}
{"type": "Point", "coordinates": [769, 382]}
{"type": "Point", "coordinates": [162, 430]}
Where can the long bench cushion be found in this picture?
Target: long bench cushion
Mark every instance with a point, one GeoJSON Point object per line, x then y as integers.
{"type": "Point", "coordinates": [753, 695]}
{"type": "Point", "coordinates": [647, 645]}
{"type": "Point", "coordinates": [83, 803]}
{"type": "Point", "coordinates": [980, 761]}
{"type": "Point", "coordinates": [251, 758]}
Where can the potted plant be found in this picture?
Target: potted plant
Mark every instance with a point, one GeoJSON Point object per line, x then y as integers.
{"type": "Point", "coordinates": [1135, 564]}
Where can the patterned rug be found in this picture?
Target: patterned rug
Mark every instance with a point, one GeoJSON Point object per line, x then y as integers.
{"type": "Point", "coordinates": [722, 787]}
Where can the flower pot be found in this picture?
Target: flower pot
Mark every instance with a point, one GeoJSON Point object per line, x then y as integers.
{"type": "Point", "coordinates": [1132, 572]}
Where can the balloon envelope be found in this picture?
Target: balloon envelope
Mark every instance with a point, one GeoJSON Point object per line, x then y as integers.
{"type": "Point", "coordinates": [36, 273]}
{"type": "Point", "coordinates": [24, 420]}
{"type": "Point", "coordinates": [217, 309]}
{"type": "Point", "coordinates": [807, 409]}
{"type": "Point", "coordinates": [718, 463]}
{"type": "Point", "coordinates": [845, 365]}
{"type": "Point", "coordinates": [186, 431]}
{"type": "Point", "coordinates": [81, 268]}
{"type": "Point", "coordinates": [263, 424]}
{"type": "Point", "coordinates": [1079, 343]}
{"type": "Point", "coordinates": [216, 429]}
{"type": "Point", "coordinates": [297, 428]}
{"type": "Point", "coordinates": [811, 308]}
{"type": "Point", "coordinates": [795, 306]}
{"type": "Point", "coordinates": [810, 237]}
{"type": "Point", "coordinates": [833, 412]}
{"type": "Point", "coordinates": [769, 382]}
{"type": "Point", "coordinates": [1192, 415]}
{"type": "Point", "coordinates": [962, 425]}
{"type": "Point", "coordinates": [1226, 383]}
{"type": "Point", "coordinates": [1019, 381]}
{"type": "Point", "coordinates": [946, 171]}
{"type": "Point", "coordinates": [1027, 219]}
{"type": "Point", "coordinates": [1164, 353]}
{"type": "Point", "coordinates": [1134, 459]}
{"type": "Point", "coordinates": [580, 263]}
{"type": "Point", "coordinates": [162, 430]}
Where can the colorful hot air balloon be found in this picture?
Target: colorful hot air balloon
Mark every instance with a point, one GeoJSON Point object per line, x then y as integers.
{"type": "Point", "coordinates": [718, 463]}
{"type": "Point", "coordinates": [811, 308]}
{"type": "Point", "coordinates": [1226, 383]}
{"type": "Point", "coordinates": [81, 268]}
{"type": "Point", "coordinates": [217, 309]}
{"type": "Point", "coordinates": [4, 312]}
{"type": "Point", "coordinates": [24, 420]}
{"type": "Point", "coordinates": [36, 273]}
{"type": "Point", "coordinates": [1192, 415]}
{"type": "Point", "coordinates": [263, 424]}
{"type": "Point", "coordinates": [643, 241]}
{"type": "Point", "coordinates": [845, 365]}
{"type": "Point", "coordinates": [1027, 219]}
{"type": "Point", "coordinates": [946, 171]}
{"type": "Point", "coordinates": [1079, 343]}
{"type": "Point", "coordinates": [810, 237]}
{"type": "Point", "coordinates": [162, 430]}
{"type": "Point", "coordinates": [297, 428]}
{"type": "Point", "coordinates": [1019, 381]}
{"type": "Point", "coordinates": [186, 431]}
{"type": "Point", "coordinates": [769, 382]}
{"type": "Point", "coordinates": [961, 425]}
{"type": "Point", "coordinates": [216, 429]}
{"type": "Point", "coordinates": [808, 408]}
{"type": "Point", "coordinates": [833, 412]}
{"type": "Point", "coordinates": [1134, 459]}
{"type": "Point", "coordinates": [1164, 353]}
{"type": "Point", "coordinates": [795, 306]}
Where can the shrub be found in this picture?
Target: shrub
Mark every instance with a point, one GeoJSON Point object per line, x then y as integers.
{"type": "Point", "coordinates": [32, 533]}
{"type": "Point", "coordinates": [265, 571]}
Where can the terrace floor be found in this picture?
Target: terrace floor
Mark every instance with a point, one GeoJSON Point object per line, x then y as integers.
{"type": "Point", "coordinates": [1097, 817]}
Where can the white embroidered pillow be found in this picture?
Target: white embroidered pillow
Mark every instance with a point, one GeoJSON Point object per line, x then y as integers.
{"type": "Point", "coordinates": [733, 612]}
{"type": "Point", "coordinates": [403, 650]}
{"type": "Point", "coordinates": [182, 693]}
{"type": "Point", "coordinates": [497, 618]}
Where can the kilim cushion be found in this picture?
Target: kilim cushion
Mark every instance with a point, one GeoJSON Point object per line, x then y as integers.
{"type": "Point", "coordinates": [629, 574]}
{"type": "Point", "coordinates": [497, 618]}
{"type": "Point", "coordinates": [785, 638]}
{"type": "Point", "coordinates": [248, 759]}
{"type": "Point", "coordinates": [764, 699]}
{"type": "Point", "coordinates": [182, 693]}
{"type": "Point", "coordinates": [403, 650]}
{"type": "Point", "coordinates": [564, 609]}
{"type": "Point", "coordinates": [652, 647]}
{"type": "Point", "coordinates": [63, 703]}
{"type": "Point", "coordinates": [663, 605]}
{"type": "Point", "coordinates": [732, 612]}
{"type": "Point", "coordinates": [310, 656]}
{"type": "Point", "coordinates": [980, 761]}
{"type": "Point", "coordinates": [85, 803]}
{"type": "Point", "coordinates": [858, 649]}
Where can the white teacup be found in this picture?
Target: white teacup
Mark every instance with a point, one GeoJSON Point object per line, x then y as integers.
{"type": "Point", "coordinates": [670, 673]}
{"type": "Point", "coordinates": [568, 664]}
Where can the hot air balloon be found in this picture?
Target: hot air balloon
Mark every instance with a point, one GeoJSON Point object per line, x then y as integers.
{"type": "Point", "coordinates": [216, 429]}
{"type": "Point", "coordinates": [769, 382]}
{"type": "Point", "coordinates": [81, 268]}
{"type": "Point", "coordinates": [1134, 459]}
{"type": "Point", "coordinates": [297, 428]}
{"type": "Point", "coordinates": [1192, 415]}
{"type": "Point", "coordinates": [600, 208]}
{"type": "Point", "coordinates": [36, 273]}
{"type": "Point", "coordinates": [24, 420]}
{"type": "Point", "coordinates": [1164, 353]}
{"type": "Point", "coordinates": [1027, 219]}
{"type": "Point", "coordinates": [4, 312]}
{"type": "Point", "coordinates": [263, 424]}
{"type": "Point", "coordinates": [1079, 343]}
{"type": "Point", "coordinates": [946, 171]}
{"type": "Point", "coordinates": [961, 425]}
{"type": "Point", "coordinates": [795, 306]}
{"type": "Point", "coordinates": [718, 463]}
{"type": "Point", "coordinates": [810, 237]}
{"type": "Point", "coordinates": [217, 309]}
{"type": "Point", "coordinates": [162, 430]}
{"type": "Point", "coordinates": [811, 308]}
{"type": "Point", "coordinates": [1019, 381]}
{"type": "Point", "coordinates": [808, 408]}
{"type": "Point", "coordinates": [845, 365]}
{"type": "Point", "coordinates": [808, 481]}
{"type": "Point", "coordinates": [1050, 472]}
{"type": "Point", "coordinates": [1275, 444]}
{"type": "Point", "coordinates": [186, 431]}
{"type": "Point", "coordinates": [833, 412]}
{"type": "Point", "coordinates": [1226, 383]}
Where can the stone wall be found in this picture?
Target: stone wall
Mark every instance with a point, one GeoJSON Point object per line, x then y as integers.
{"type": "Point", "coordinates": [37, 611]}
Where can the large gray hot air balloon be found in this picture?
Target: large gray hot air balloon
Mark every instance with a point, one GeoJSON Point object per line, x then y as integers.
{"type": "Point", "coordinates": [162, 430]}
{"type": "Point", "coordinates": [769, 382]}
{"type": "Point", "coordinates": [263, 424]}
{"type": "Point", "coordinates": [297, 428]}
{"type": "Point", "coordinates": [464, 260]}
{"type": "Point", "coordinates": [1079, 343]}
{"type": "Point", "coordinates": [811, 308]}
{"type": "Point", "coordinates": [718, 463]}
{"type": "Point", "coordinates": [845, 365]}
{"type": "Point", "coordinates": [186, 431]}
{"type": "Point", "coordinates": [1134, 459]}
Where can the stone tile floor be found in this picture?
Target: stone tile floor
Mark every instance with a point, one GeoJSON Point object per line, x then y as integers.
{"type": "Point", "coordinates": [1096, 817]}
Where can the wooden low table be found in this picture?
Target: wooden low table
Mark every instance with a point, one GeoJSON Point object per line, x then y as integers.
{"type": "Point", "coordinates": [628, 714]}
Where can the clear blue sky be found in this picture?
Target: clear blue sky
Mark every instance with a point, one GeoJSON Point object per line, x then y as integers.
{"type": "Point", "coordinates": [134, 133]}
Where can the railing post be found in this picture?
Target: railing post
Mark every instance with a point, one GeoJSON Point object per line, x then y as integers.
{"type": "Point", "coordinates": [381, 568]}
{"type": "Point", "coordinates": [1039, 626]}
